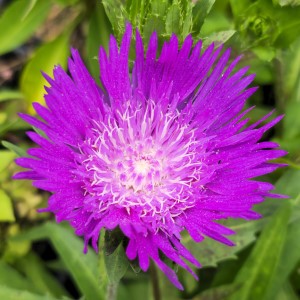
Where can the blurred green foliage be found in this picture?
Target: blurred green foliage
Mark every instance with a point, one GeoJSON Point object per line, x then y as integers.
{"type": "Point", "coordinates": [35, 35]}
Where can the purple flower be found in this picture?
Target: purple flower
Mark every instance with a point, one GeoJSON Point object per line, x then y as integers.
{"type": "Point", "coordinates": [160, 151]}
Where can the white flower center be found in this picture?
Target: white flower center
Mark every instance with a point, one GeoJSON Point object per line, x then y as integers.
{"type": "Point", "coordinates": [143, 161]}
{"type": "Point", "coordinates": [142, 166]}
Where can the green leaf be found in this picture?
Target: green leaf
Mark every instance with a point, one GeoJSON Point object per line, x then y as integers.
{"type": "Point", "coordinates": [83, 267]}
{"type": "Point", "coordinates": [10, 95]}
{"type": "Point", "coordinates": [18, 150]}
{"type": "Point", "coordinates": [288, 183]}
{"type": "Point", "coordinates": [33, 267]}
{"type": "Point", "coordinates": [291, 122]}
{"type": "Point", "coordinates": [19, 21]}
{"type": "Point", "coordinates": [153, 23]}
{"type": "Point", "coordinates": [8, 293]}
{"type": "Point", "coordinates": [200, 11]}
{"type": "Point", "coordinates": [257, 273]}
{"type": "Point", "coordinates": [98, 35]}
{"type": "Point", "coordinates": [137, 11]}
{"type": "Point", "coordinates": [6, 157]}
{"type": "Point", "coordinates": [159, 7]}
{"type": "Point", "coordinates": [116, 263]}
{"type": "Point", "coordinates": [6, 208]}
{"type": "Point", "coordinates": [13, 279]}
{"type": "Point", "coordinates": [290, 62]}
{"type": "Point", "coordinates": [289, 258]}
{"type": "Point", "coordinates": [218, 38]}
{"type": "Point", "coordinates": [117, 15]}
{"type": "Point", "coordinates": [155, 19]}
{"type": "Point", "coordinates": [210, 252]}
{"type": "Point", "coordinates": [174, 19]}
{"type": "Point", "coordinates": [187, 26]}
{"type": "Point", "coordinates": [286, 293]}
{"type": "Point", "coordinates": [46, 57]}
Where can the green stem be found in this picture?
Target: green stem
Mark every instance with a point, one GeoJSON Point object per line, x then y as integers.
{"type": "Point", "coordinates": [112, 290]}
{"type": "Point", "coordinates": [155, 282]}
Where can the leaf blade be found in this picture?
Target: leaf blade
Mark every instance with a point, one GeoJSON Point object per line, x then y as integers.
{"type": "Point", "coordinates": [46, 57]}
{"type": "Point", "coordinates": [28, 19]}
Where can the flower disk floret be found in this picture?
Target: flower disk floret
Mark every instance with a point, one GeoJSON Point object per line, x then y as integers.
{"type": "Point", "coordinates": [155, 152]}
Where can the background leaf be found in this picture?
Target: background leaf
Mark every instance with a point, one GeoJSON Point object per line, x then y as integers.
{"type": "Point", "coordinates": [46, 57]}
{"type": "Point", "coordinates": [19, 21]}
{"type": "Point", "coordinates": [69, 247]}
{"type": "Point", "coordinates": [13, 279]}
{"type": "Point", "coordinates": [10, 95]}
{"type": "Point", "coordinates": [6, 208]}
{"type": "Point", "coordinates": [98, 34]}
{"type": "Point", "coordinates": [256, 276]}
{"type": "Point", "coordinates": [32, 266]}
{"type": "Point", "coordinates": [12, 294]}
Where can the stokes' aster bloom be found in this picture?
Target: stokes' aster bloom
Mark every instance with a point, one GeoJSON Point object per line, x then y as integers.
{"type": "Point", "coordinates": [155, 153]}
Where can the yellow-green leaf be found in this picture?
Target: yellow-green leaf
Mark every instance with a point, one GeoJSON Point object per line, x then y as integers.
{"type": "Point", "coordinates": [46, 57]}
{"type": "Point", "coordinates": [6, 208]}
{"type": "Point", "coordinates": [6, 157]}
{"type": "Point", "coordinates": [19, 21]}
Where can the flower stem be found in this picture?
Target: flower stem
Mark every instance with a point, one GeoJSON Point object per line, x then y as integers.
{"type": "Point", "coordinates": [112, 289]}
{"type": "Point", "coordinates": [155, 282]}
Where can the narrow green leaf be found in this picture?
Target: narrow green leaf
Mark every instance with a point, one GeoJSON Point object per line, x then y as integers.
{"type": "Point", "coordinates": [200, 11]}
{"type": "Point", "coordinates": [291, 65]}
{"type": "Point", "coordinates": [153, 23]}
{"type": "Point", "coordinates": [117, 15]}
{"type": "Point", "coordinates": [8, 293]}
{"type": "Point", "coordinates": [10, 95]}
{"type": "Point", "coordinates": [83, 267]}
{"type": "Point", "coordinates": [289, 258]}
{"type": "Point", "coordinates": [257, 273]}
{"type": "Point", "coordinates": [46, 57]}
{"type": "Point", "coordinates": [6, 208]}
{"type": "Point", "coordinates": [174, 19]}
{"type": "Point", "coordinates": [98, 35]}
{"type": "Point", "coordinates": [19, 21]}
{"type": "Point", "coordinates": [187, 20]}
{"type": "Point", "coordinates": [13, 279]}
{"type": "Point", "coordinates": [16, 149]}
{"type": "Point", "coordinates": [159, 7]}
{"type": "Point", "coordinates": [33, 267]}
{"type": "Point", "coordinates": [137, 11]}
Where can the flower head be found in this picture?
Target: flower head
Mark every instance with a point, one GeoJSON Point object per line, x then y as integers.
{"type": "Point", "coordinates": [154, 153]}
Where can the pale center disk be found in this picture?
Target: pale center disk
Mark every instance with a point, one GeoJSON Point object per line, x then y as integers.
{"type": "Point", "coordinates": [142, 166]}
